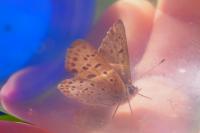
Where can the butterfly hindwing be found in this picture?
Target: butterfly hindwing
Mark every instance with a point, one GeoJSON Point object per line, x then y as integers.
{"type": "Point", "coordinates": [89, 92]}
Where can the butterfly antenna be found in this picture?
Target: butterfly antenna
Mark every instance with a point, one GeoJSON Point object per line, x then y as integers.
{"type": "Point", "coordinates": [114, 113]}
{"type": "Point", "coordinates": [144, 96]}
{"type": "Point", "coordinates": [152, 68]}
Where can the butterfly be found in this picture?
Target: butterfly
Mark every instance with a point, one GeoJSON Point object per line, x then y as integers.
{"type": "Point", "coordinates": [101, 76]}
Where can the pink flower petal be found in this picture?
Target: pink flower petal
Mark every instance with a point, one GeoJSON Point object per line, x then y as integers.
{"type": "Point", "coordinates": [31, 93]}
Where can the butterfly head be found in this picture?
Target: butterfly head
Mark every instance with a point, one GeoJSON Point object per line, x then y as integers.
{"type": "Point", "coordinates": [132, 90]}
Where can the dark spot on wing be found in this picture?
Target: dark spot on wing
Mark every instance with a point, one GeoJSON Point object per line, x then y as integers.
{"type": "Point", "coordinates": [105, 72]}
{"type": "Point", "coordinates": [86, 89]}
{"type": "Point", "coordinates": [88, 65]}
{"type": "Point", "coordinates": [76, 54]}
{"type": "Point", "coordinates": [74, 70]}
{"type": "Point", "coordinates": [119, 37]}
{"type": "Point", "coordinates": [75, 59]}
{"type": "Point", "coordinates": [121, 50]}
{"type": "Point", "coordinates": [66, 91]}
{"type": "Point", "coordinates": [61, 85]}
{"type": "Point", "coordinates": [92, 84]}
{"type": "Point", "coordinates": [85, 68]}
{"type": "Point", "coordinates": [97, 65]}
{"type": "Point", "coordinates": [72, 64]}
{"type": "Point", "coordinates": [91, 76]}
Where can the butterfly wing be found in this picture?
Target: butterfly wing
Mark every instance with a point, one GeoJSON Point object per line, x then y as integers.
{"type": "Point", "coordinates": [115, 50]}
{"type": "Point", "coordinates": [88, 65]}
{"type": "Point", "coordinates": [85, 61]}
{"type": "Point", "coordinates": [89, 92]}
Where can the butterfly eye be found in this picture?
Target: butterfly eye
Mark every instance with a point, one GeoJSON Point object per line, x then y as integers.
{"type": "Point", "coordinates": [132, 89]}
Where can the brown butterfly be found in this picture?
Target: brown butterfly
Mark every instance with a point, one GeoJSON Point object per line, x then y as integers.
{"type": "Point", "coordinates": [103, 76]}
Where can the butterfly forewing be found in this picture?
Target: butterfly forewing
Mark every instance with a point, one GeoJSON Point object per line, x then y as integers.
{"type": "Point", "coordinates": [84, 60]}
{"type": "Point", "coordinates": [114, 49]}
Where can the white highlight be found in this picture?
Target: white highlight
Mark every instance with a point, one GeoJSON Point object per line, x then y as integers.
{"type": "Point", "coordinates": [181, 70]}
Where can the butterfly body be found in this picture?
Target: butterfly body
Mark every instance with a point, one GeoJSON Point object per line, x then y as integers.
{"type": "Point", "coordinates": [101, 77]}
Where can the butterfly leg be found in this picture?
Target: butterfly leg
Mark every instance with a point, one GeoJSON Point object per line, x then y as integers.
{"type": "Point", "coordinates": [129, 104]}
{"type": "Point", "coordinates": [114, 113]}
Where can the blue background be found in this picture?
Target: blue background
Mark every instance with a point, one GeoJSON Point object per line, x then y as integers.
{"type": "Point", "coordinates": [34, 31]}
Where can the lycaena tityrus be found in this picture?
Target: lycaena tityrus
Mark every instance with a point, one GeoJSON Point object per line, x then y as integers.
{"type": "Point", "coordinates": [103, 76]}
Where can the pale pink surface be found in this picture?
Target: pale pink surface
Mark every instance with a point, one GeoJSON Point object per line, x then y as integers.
{"type": "Point", "coordinates": [173, 34]}
{"type": "Point", "coordinates": [35, 102]}
{"type": "Point", "coordinates": [11, 127]}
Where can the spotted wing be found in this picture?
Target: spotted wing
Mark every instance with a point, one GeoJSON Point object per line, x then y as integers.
{"type": "Point", "coordinates": [90, 92]}
{"type": "Point", "coordinates": [89, 66]}
{"type": "Point", "coordinates": [114, 48]}
{"type": "Point", "coordinates": [86, 62]}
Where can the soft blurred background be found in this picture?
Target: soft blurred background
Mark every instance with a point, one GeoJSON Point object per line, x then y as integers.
{"type": "Point", "coordinates": [13, 56]}
{"type": "Point", "coordinates": [103, 4]}
{"type": "Point", "coordinates": [25, 38]}
{"type": "Point", "coordinates": [34, 36]}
